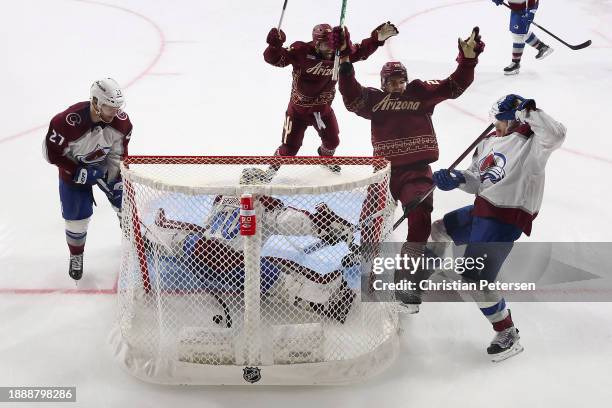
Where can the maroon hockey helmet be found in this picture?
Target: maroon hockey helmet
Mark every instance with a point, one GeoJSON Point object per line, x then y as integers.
{"type": "Point", "coordinates": [321, 33]}
{"type": "Point", "coordinates": [392, 68]}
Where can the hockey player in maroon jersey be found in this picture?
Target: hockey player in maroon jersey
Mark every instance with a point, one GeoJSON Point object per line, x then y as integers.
{"type": "Point", "coordinates": [86, 142]}
{"type": "Point", "coordinates": [313, 89]}
{"type": "Point", "coordinates": [402, 131]}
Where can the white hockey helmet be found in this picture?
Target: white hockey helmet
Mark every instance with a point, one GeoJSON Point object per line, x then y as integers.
{"type": "Point", "coordinates": [107, 92]}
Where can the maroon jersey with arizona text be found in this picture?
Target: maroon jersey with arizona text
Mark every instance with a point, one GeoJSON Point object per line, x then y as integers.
{"type": "Point", "coordinates": [402, 130]}
{"type": "Point", "coordinates": [74, 140]}
{"type": "Point", "coordinates": [312, 89]}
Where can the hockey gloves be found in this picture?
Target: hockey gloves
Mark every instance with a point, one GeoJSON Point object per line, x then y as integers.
{"type": "Point", "coordinates": [511, 104]}
{"type": "Point", "coordinates": [383, 32]}
{"type": "Point", "coordinates": [113, 190]}
{"type": "Point", "coordinates": [88, 175]}
{"type": "Point", "coordinates": [276, 38]}
{"type": "Point", "coordinates": [498, 2]}
{"type": "Point", "coordinates": [447, 180]}
{"type": "Point", "coordinates": [471, 48]}
{"type": "Point", "coordinates": [341, 40]}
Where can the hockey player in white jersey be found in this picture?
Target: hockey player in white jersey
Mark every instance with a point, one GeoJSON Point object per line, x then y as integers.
{"type": "Point", "coordinates": [214, 251]}
{"type": "Point", "coordinates": [507, 177]}
{"type": "Point", "coordinates": [521, 16]}
{"type": "Point", "coordinates": [86, 142]}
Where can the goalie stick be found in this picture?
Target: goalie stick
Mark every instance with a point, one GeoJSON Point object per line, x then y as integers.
{"type": "Point", "coordinates": [573, 47]}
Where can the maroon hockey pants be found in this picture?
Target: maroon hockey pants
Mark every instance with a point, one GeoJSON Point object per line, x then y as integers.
{"type": "Point", "coordinates": [295, 125]}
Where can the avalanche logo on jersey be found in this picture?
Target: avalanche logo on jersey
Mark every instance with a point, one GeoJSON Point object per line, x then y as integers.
{"type": "Point", "coordinates": [97, 155]}
{"type": "Point", "coordinates": [491, 167]}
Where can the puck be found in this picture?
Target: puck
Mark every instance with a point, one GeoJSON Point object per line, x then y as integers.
{"type": "Point", "coordinates": [217, 319]}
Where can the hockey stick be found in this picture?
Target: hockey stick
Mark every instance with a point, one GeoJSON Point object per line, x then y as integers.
{"type": "Point", "coordinates": [337, 57]}
{"type": "Point", "coordinates": [280, 21]}
{"type": "Point", "coordinates": [314, 247]}
{"type": "Point", "coordinates": [573, 47]}
{"type": "Point", "coordinates": [414, 203]}
{"type": "Point", "coordinates": [228, 317]}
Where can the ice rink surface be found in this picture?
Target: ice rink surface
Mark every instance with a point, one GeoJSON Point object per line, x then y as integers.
{"type": "Point", "coordinates": [196, 84]}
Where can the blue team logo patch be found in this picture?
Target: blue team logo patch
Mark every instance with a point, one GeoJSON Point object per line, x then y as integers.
{"type": "Point", "coordinates": [97, 155]}
{"type": "Point", "coordinates": [491, 167]}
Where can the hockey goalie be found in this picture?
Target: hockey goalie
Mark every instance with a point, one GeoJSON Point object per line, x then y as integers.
{"type": "Point", "coordinates": [213, 252]}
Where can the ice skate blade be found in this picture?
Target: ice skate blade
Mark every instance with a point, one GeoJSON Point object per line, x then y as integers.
{"type": "Point", "coordinates": [515, 72]}
{"type": "Point", "coordinates": [514, 350]}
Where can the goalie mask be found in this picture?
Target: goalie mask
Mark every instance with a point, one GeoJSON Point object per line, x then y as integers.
{"type": "Point", "coordinates": [106, 99]}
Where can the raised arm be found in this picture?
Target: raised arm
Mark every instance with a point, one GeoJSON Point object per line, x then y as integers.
{"type": "Point", "coordinates": [357, 99]}
{"type": "Point", "coordinates": [356, 52]}
{"type": "Point", "coordinates": [277, 55]}
{"type": "Point", "coordinates": [452, 87]}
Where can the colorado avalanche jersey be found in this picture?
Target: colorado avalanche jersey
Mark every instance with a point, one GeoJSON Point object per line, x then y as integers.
{"type": "Point", "coordinates": [74, 140]}
{"type": "Point", "coordinates": [312, 89]}
{"type": "Point", "coordinates": [507, 173]}
{"type": "Point", "coordinates": [223, 224]}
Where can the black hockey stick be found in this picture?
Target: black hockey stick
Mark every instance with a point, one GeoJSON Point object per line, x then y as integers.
{"type": "Point", "coordinates": [573, 47]}
{"type": "Point", "coordinates": [280, 21]}
{"type": "Point", "coordinates": [414, 203]}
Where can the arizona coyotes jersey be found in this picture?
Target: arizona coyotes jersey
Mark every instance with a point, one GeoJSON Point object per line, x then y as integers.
{"type": "Point", "coordinates": [507, 173]}
{"type": "Point", "coordinates": [73, 140]}
{"type": "Point", "coordinates": [402, 130]}
{"type": "Point", "coordinates": [312, 89]}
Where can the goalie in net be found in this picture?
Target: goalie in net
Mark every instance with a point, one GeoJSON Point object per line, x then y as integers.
{"type": "Point", "coordinates": [213, 252]}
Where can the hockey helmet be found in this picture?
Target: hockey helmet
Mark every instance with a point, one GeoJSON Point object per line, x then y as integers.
{"type": "Point", "coordinates": [106, 92]}
{"type": "Point", "coordinates": [392, 68]}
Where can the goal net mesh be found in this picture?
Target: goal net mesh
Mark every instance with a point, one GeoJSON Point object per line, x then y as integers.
{"type": "Point", "coordinates": [213, 291]}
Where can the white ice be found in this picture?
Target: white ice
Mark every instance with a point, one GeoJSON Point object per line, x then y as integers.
{"type": "Point", "coordinates": [196, 84]}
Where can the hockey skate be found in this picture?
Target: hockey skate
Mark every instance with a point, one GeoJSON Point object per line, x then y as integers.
{"type": "Point", "coordinates": [505, 344]}
{"type": "Point", "coordinates": [409, 303]}
{"type": "Point", "coordinates": [253, 175]}
{"type": "Point", "coordinates": [513, 68]}
{"type": "Point", "coordinates": [334, 168]}
{"type": "Point", "coordinates": [75, 269]}
{"type": "Point", "coordinates": [543, 51]}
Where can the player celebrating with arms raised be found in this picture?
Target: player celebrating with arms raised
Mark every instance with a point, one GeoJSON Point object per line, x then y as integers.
{"type": "Point", "coordinates": [86, 142]}
{"type": "Point", "coordinates": [313, 89]}
{"type": "Point", "coordinates": [402, 131]}
{"type": "Point", "coordinates": [507, 176]}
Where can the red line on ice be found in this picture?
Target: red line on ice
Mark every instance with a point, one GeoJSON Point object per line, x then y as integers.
{"type": "Point", "coordinates": [160, 51]}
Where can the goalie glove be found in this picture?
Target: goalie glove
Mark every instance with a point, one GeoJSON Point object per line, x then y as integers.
{"type": "Point", "coordinates": [330, 227]}
{"type": "Point", "coordinates": [383, 32]}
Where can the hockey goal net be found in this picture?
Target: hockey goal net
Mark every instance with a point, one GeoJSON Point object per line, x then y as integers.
{"type": "Point", "coordinates": [234, 270]}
